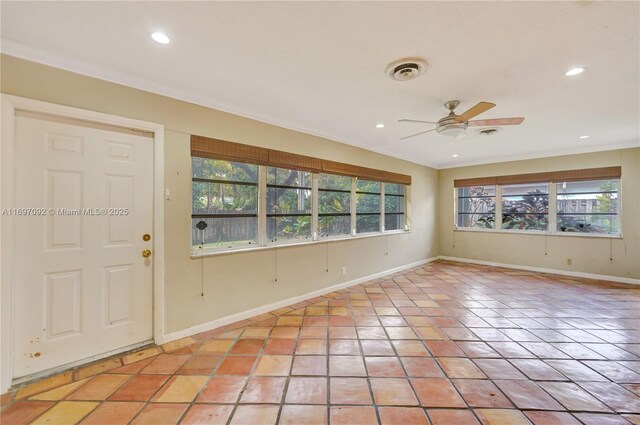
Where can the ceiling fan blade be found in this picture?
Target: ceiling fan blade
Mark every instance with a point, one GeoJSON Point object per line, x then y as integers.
{"type": "Point", "coordinates": [408, 120]}
{"type": "Point", "coordinates": [417, 134]}
{"type": "Point", "coordinates": [474, 110]}
{"type": "Point", "coordinates": [496, 121]}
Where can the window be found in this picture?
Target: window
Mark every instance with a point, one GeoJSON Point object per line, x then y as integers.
{"type": "Point", "coordinates": [581, 201]}
{"type": "Point", "coordinates": [368, 194]}
{"type": "Point", "coordinates": [477, 206]}
{"type": "Point", "coordinates": [393, 206]}
{"type": "Point", "coordinates": [288, 204]}
{"type": "Point", "coordinates": [525, 206]}
{"type": "Point", "coordinates": [247, 196]}
{"type": "Point", "coordinates": [588, 206]}
{"type": "Point", "coordinates": [225, 197]}
{"type": "Point", "coordinates": [334, 205]}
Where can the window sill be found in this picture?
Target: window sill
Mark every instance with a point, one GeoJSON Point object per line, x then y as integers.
{"type": "Point", "coordinates": [538, 233]}
{"type": "Point", "coordinates": [223, 251]}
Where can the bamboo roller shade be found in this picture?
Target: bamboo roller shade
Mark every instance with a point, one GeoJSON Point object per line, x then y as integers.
{"type": "Point", "coordinates": [551, 176]}
{"type": "Point", "coordinates": [229, 151]}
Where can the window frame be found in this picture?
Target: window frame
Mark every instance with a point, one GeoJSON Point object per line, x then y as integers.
{"type": "Point", "coordinates": [381, 211]}
{"type": "Point", "coordinates": [383, 200]}
{"type": "Point", "coordinates": [502, 213]}
{"type": "Point", "coordinates": [228, 245]}
{"type": "Point", "coordinates": [618, 215]}
{"type": "Point", "coordinates": [316, 231]}
{"type": "Point", "coordinates": [262, 240]}
{"type": "Point", "coordinates": [497, 212]}
{"type": "Point", "coordinates": [267, 214]}
{"type": "Point", "coordinates": [552, 214]}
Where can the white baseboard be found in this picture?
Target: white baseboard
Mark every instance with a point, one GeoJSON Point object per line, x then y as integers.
{"type": "Point", "coordinates": [223, 321]}
{"type": "Point", "coordinates": [607, 278]}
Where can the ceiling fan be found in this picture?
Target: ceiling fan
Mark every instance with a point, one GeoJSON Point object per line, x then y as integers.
{"type": "Point", "coordinates": [455, 125]}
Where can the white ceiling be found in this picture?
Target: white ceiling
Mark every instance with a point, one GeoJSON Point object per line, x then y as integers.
{"type": "Point", "coordinates": [319, 67]}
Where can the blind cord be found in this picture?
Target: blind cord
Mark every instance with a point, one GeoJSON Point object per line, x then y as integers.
{"type": "Point", "coordinates": [327, 256]}
{"type": "Point", "coordinates": [202, 264]}
{"type": "Point", "coordinates": [611, 250]}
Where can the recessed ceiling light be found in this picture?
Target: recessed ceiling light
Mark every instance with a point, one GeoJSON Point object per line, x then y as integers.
{"type": "Point", "coordinates": [575, 71]}
{"type": "Point", "coordinates": [379, 125]}
{"type": "Point", "coordinates": [161, 37]}
{"type": "Point", "coordinates": [583, 137]}
{"type": "Point", "coordinates": [455, 155]}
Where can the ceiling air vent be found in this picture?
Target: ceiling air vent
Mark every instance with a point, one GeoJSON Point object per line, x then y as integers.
{"type": "Point", "coordinates": [488, 131]}
{"type": "Point", "coordinates": [406, 69]}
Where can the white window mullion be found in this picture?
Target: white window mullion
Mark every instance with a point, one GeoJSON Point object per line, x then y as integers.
{"type": "Point", "coordinates": [619, 207]}
{"type": "Point", "coordinates": [262, 205]}
{"type": "Point", "coordinates": [382, 229]}
{"type": "Point", "coordinates": [314, 206]}
{"type": "Point", "coordinates": [353, 206]}
{"type": "Point", "coordinates": [498, 220]}
{"type": "Point", "coordinates": [407, 207]}
{"type": "Point", "coordinates": [553, 207]}
{"type": "Point", "coordinates": [455, 207]}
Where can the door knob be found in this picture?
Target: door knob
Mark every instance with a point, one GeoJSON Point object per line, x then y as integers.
{"type": "Point", "coordinates": [146, 253]}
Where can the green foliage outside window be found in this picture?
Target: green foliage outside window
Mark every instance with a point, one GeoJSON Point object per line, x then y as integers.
{"type": "Point", "coordinates": [526, 212]}
{"type": "Point", "coordinates": [334, 201]}
{"type": "Point", "coordinates": [588, 207]}
{"type": "Point", "coordinates": [368, 195]}
{"type": "Point", "coordinates": [225, 195]}
{"type": "Point", "coordinates": [292, 197]}
{"type": "Point", "coordinates": [228, 193]}
{"type": "Point", "coordinates": [212, 198]}
{"type": "Point", "coordinates": [393, 206]}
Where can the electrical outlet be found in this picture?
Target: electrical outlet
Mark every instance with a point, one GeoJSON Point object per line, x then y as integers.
{"type": "Point", "coordinates": [343, 270]}
{"type": "Point", "coordinates": [569, 261]}
{"type": "Point", "coordinates": [428, 250]}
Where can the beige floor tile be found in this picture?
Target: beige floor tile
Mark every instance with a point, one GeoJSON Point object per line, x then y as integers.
{"type": "Point", "coordinates": [60, 392]}
{"type": "Point", "coordinates": [273, 366]}
{"type": "Point", "coordinates": [66, 413]}
{"type": "Point", "coordinates": [217, 345]}
{"type": "Point", "coordinates": [181, 389]}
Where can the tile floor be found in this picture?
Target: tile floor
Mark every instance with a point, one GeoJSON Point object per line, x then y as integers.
{"type": "Point", "coordinates": [442, 344]}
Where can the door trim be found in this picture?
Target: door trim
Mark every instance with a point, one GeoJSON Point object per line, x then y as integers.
{"type": "Point", "coordinates": [10, 104]}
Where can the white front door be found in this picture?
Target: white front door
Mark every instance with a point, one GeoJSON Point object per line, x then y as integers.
{"type": "Point", "coordinates": [81, 285]}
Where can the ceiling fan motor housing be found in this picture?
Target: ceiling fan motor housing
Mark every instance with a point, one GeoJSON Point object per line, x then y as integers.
{"type": "Point", "coordinates": [450, 127]}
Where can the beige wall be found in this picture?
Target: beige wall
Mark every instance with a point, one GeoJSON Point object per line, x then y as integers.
{"type": "Point", "coordinates": [241, 281]}
{"type": "Point", "coordinates": [589, 254]}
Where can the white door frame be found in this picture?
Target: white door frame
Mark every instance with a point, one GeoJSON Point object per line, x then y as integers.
{"type": "Point", "coordinates": [10, 104]}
